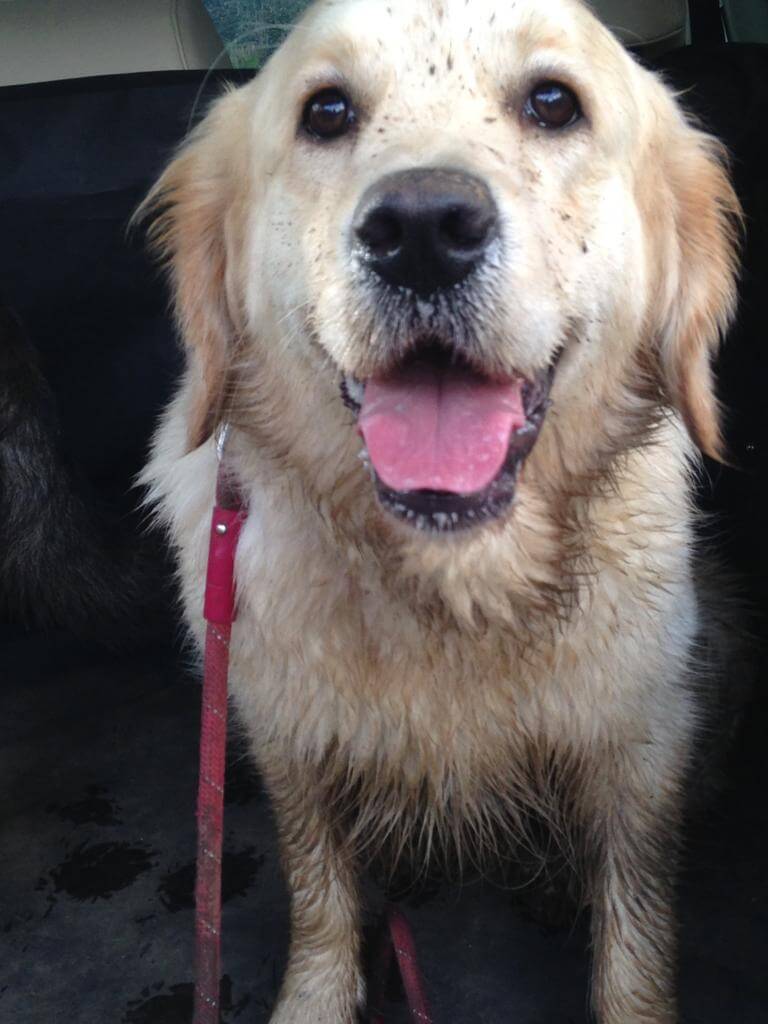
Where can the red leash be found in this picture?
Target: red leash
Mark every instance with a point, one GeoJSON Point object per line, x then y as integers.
{"type": "Point", "coordinates": [228, 517]}
{"type": "Point", "coordinates": [397, 938]}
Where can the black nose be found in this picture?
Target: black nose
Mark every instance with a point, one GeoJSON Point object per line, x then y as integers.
{"type": "Point", "coordinates": [426, 229]}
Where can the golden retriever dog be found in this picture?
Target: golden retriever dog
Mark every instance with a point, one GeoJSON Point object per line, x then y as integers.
{"type": "Point", "coordinates": [453, 273]}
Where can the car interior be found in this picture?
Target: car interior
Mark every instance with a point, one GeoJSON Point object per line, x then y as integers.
{"type": "Point", "coordinates": [99, 711]}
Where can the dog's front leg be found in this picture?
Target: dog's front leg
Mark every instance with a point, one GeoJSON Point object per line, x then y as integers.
{"type": "Point", "coordinates": [323, 982]}
{"type": "Point", "coordinates": [635, 823]}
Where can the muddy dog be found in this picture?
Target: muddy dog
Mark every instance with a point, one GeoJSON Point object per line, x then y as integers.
{"type": "Point", "coordinates": [454, 274]}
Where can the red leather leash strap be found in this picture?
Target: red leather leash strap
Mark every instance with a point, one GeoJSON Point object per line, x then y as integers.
{"type": "Point", "coordinates": [209, 825]}
{"type": "Point", "coordinates": [228, 517]}
{"type": "Point", "coordinates": [219, 613]}
{"type": "Point", "coordinates": [398, 939]}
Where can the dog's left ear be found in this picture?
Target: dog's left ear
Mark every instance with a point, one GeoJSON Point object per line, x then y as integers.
{"type": "Point", "coordinates": [700, 274]}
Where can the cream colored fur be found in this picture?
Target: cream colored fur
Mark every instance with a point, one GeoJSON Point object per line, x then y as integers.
{"type": "Point", "coordinates": [438, 687]}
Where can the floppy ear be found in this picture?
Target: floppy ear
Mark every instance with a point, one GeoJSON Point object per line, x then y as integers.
{"type": "Point", "coordinates": [188, 208]}
{"type": "Point", "coordinates": [701, 295]}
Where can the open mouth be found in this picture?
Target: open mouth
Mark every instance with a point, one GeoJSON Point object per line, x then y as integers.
{"type": "Point", "coordinates": [445, 441]}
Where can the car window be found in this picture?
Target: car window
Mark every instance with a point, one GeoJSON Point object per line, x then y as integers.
{"type": "Point", "coordinates": [252, 29]}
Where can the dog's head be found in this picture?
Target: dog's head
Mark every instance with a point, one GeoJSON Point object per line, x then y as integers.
{"type": "Point", "coordinates": [478, 236]}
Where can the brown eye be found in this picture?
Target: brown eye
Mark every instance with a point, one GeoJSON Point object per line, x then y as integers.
{"type": "Point", "coordinates": [328, 114]}
{"type": "Point", "coordinates": [553, 105]}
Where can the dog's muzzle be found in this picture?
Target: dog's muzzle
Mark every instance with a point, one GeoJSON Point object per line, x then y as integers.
{"type": "Point", "coordinates": [444, 438]}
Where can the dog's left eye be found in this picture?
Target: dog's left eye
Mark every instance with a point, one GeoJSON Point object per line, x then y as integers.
{"type": "Point", "coordinates": [553, 105]}
{"type": "Point", "coordinates": [328, 114]}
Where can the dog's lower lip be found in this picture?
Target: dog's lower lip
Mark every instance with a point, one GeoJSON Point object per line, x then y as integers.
{"type": "Point", "coordinates": [443, 512]}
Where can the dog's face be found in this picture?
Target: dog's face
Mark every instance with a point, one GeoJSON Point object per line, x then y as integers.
{"type": "Point", "coordinates": [478, 237]}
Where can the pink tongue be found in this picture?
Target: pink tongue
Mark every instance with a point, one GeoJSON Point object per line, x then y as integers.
{"type": "Point", "coordinates": [439, 429]}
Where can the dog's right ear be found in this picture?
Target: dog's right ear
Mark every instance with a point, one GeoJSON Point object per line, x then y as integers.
{"type": "Point", "coordinates": [187, 210]}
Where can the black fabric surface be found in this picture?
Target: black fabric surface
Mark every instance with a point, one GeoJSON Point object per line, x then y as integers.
{"type": "Point", "coordinates": [98, 751]}
{"type": "Point", "coordinates": [75, 160]}
{"type": "Point", "coordinates": [96, 869]}
{"type": "Point", "coordinates": [727, 87]}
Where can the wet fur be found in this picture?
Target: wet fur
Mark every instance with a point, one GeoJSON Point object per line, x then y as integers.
{"type": "Point", "coordinates": [426, 691]}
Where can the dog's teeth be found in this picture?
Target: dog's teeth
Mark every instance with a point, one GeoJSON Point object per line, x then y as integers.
{"type": "Point", "coordinates": [441, 519]}
{"type": "Point", "coordinates": [366, 461]}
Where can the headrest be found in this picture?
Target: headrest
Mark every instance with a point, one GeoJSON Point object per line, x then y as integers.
{"type": "Point", "coordinates": [45, 40]}
{"type": "Point", "coordinates": [649, 26]}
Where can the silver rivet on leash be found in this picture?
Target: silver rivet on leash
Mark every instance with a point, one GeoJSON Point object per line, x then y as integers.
{"type": "Point", "coordinates": [221, 529]}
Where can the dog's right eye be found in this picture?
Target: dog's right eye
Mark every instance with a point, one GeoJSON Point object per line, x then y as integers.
{"type": "Point", "coordinates": [328, 114]}
{"type": "Point", "coordinates": [553, 105]}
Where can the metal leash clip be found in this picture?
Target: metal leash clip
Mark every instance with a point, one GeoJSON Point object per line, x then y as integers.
{"type": "Point", "coordinates": [221, 437]}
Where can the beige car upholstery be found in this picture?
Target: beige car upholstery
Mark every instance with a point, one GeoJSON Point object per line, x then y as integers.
{"type": "Point", "coordinates": [43, 40]}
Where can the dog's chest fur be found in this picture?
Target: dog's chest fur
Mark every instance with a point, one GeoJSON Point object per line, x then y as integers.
{"type": "Point", "coordinates": [380, 683]}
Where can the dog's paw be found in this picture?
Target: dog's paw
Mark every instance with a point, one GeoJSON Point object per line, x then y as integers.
{"type": "Point", "coordinates": [321, 998]}
{"type": "Point", "coordinates": [306, 1010]}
